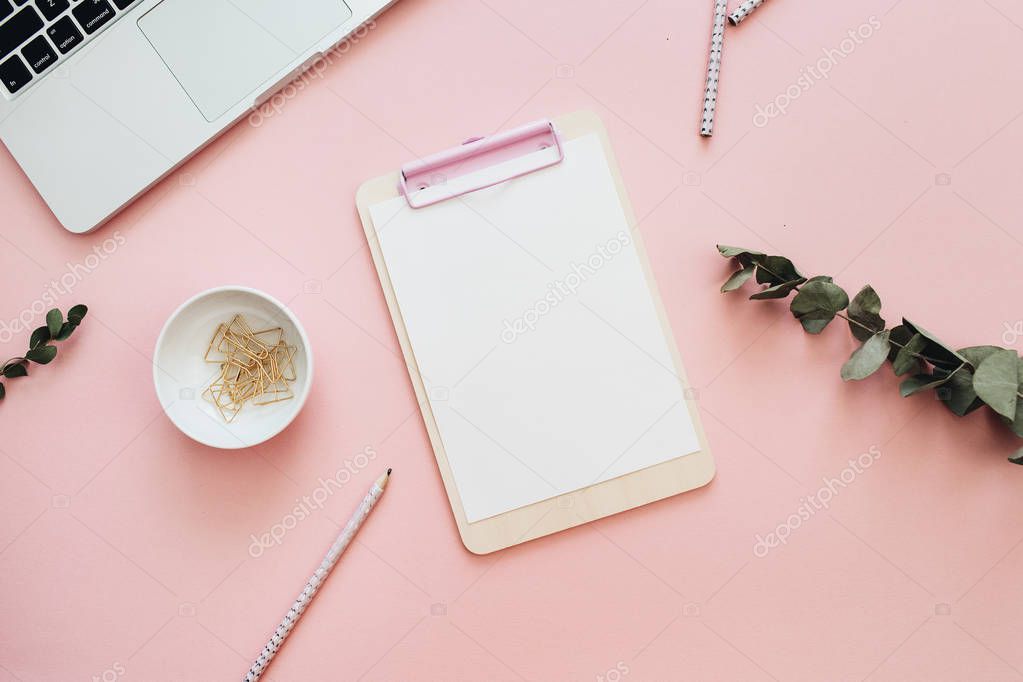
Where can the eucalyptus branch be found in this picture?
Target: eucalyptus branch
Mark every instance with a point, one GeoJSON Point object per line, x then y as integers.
{"type": "Point", "coordinates": [857, 323]}
{"type": "Point", "coordinates": [39, 349]}
{"type": "Point", "coordinates": [965, 379]}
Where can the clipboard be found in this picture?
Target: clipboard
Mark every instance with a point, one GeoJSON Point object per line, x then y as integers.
{"type": "Point", "coordinates": [452, 174]}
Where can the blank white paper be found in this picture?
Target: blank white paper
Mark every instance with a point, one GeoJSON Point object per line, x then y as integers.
{"type": "Point", "coordinates": [533, 326]}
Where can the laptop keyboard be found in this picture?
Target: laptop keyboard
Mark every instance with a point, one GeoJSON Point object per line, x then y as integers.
{"type": "Point", "coordinates": [36, 34]}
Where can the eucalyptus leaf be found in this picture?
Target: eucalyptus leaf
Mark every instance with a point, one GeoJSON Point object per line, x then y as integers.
{"type": "Point", "coordinates": [867, 359]}
{"type": "Point", "coordinates": [54, 319]}
{"type": "Point", "coordinates": [3, 391]}
{"type": "Point", "coordinates": [935, 350]}
{"type": "Point", "coordinates": [958, 394]}
{"type": "Point", "coordinates": [15, 370]}
{"type": "Point", "coordinates": [922, 382]}
{"type": "Point", "coordinates": [905, 360]}
{"type": "Point", "coordinates": [738, 278]}
{"type": "Point", "coordinates": [777, 270]}
{"type": "Point", "coordinates": [40, 336]}
{"type": "Point", "coordinates": [865, 308]}
{"type": "Point", "coordinates": [815, 323]}
{"type": "Point", "coordinates": [42, 355]}
{"type": "Point", "coordinates": [1018, 457]}
{"type": "Point", "coordinates": [900, 335]}
{"type": "Point", "coordinates": [66, 330]}
{"type": "Point", "coordinates": [977, 354]}
{"type": "Point", "coordinates": [996, 381]}
{"type": "Point", "coordinates": [816, 304]}
{"type": "Point", "coordinates": [777, 291]}
{"type": "Point", "coordinates": [820, 278]}
{"type": "Point", "coordinates": [745, 257]}
{"type": "Point", "coordinates": [76, 313]}
{"type": "Point", "coordinates": [1017, 424]}
{"type": "Point", "coordinates": [726, 251]}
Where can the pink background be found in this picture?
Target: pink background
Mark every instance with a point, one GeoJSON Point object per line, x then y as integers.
{"type": "Point", "coordinates": [124, 546]}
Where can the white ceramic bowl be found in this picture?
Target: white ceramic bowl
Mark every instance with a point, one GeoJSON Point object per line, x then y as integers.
{"type": "Point", "coordinates": [181, 375]}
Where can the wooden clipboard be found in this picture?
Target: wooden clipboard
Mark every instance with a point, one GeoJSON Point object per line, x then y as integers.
{"type": "Point", "coordinates": [609, 497]}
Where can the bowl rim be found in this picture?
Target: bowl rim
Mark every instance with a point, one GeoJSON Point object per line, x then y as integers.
{"type": "Point", "coordinates": [304, 338]}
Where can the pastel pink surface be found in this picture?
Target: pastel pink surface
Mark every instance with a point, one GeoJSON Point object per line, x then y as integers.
{"type": "Point", "coordinates": [130, 552]}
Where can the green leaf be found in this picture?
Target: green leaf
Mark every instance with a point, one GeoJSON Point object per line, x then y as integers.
{"type": "Point", "coordinates": [726, 251]}
{"type": "Point", "coordinates": [777, 291]}
{"type": "Point", "coordinates": [39, 336]}
{"type": "Point", "coordinates": [996, 381]}
{"type": "Point", "coordinates": [958, 394]}
{"type": "Point", "coordinates": [777, 270]}
{"type": "Point", "coordinates": [820, 278]}
{"type": "Point", "coordinates": [76, 313]}
{"type": "Point", "coordinates": [66, 330]}
{"type": "Point", "coordinates": [3, 391]}
{"type": "Point", "coordinates": [865, 308]}
{"type": "Point", "coordinates": [54, 319]}
{"type": "Point", "coordinates": [732, 252]}
{"type": "Point", "coordinates": [15, 370]}
{"type": "Point", "coordinates": [1018, 457]}
{"type": "Point", "coordinates": [867, 359]}
{"type": "Point", "coordinates": [900, 335]}
{"type": "Point", "coordinates": [738, 278]}
{"type": "Point", "coordinates": [905, 360]}
{"type": "Point", "coordinates": [815, 323]}
{"type": "Point", "coordinates": [1017, 424]}
{"type": "Point", "coordinates": [977, 354]}
{"type": "Point", "coordinates": [816, 304]}
{"type": "Point", "coordinates": [922, 382]}
{"type": "Point", "coordinates": [42, 355]}
{"type": "Point", "coordinates": [745, 257]}
{"type": "Point", "coordinates": [935, 350]}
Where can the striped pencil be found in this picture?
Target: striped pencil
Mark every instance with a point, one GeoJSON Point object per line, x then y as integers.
{"type": "Point", "coordinates": [313, 586]}
{"type": "Point", "coordinates": [743, 11]}
{"type": "Point", "coordinates": [710, 95]}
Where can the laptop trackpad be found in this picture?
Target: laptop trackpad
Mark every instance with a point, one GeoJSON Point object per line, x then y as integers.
{"type": "Point", "coordinates": [222, 51]}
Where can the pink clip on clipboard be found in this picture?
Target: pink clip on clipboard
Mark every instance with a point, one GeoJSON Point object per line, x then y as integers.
{"type": "Point", "coordinates": [435, 172]}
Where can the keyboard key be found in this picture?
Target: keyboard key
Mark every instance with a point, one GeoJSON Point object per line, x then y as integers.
{"type": "Point", "coordinates": [65, 35]}
{"type": "Point", "coordinates": [93, 14]}
{"type": "Point", "coordinates": [18, 29]}
{"type": "Point", "coordinates": [123, 4]}
{"type": "Point", "coordinates": [14, 74]}
{"type": "Point", "coordinates": [52, 9]}
{"type": "Point", "coordinates": [5, 9]}
{"type": "Point", "coordinates": [39, 55]}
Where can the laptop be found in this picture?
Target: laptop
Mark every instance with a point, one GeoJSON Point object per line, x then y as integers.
{"type": "Point", "coordinates": [100, 99]}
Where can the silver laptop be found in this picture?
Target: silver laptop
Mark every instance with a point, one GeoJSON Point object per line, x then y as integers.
{"type": "Point", "coordinates": [99, 99]}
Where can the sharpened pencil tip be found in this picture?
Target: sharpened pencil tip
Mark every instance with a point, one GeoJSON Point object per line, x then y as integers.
{"type": "Point", "coordinates": [388, 472]}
